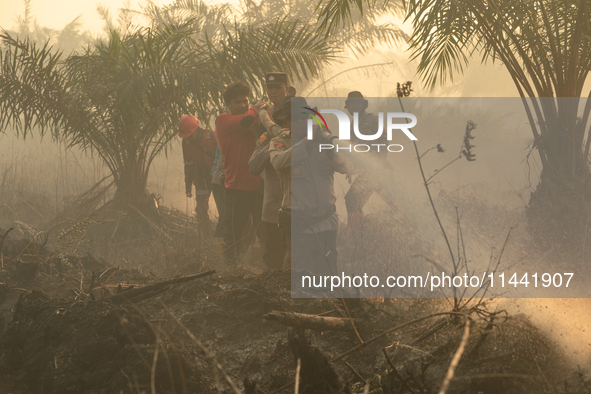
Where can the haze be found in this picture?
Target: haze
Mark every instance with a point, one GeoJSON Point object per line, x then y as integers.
{"type": "Point", "coordinates": [58, 13]}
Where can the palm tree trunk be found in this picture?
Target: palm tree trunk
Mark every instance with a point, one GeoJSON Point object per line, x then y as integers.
{"type": "Point", "coordinates": [560, 208]}
{"type": "Point", "coordinates": [131, 188]}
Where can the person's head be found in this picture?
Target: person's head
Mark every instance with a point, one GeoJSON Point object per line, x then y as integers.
{"type": "Point", "coordinates": [187, 126]}
{"type": "Point", "coordinates": [297, 121]}
{"type": "Point", "coordinates": [291, 91]}
{"type": "Point", "coordinates": [236, 98]}
{"type": "Point", "coordinates": [277, 86]}
{"type": "Point", "coordinates": [355, 103]}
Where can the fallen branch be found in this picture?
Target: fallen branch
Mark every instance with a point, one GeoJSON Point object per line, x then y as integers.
{"type": "Point", "coordinates": [297, 376]}
{"type": "Point", "coordinates": [394, 329]}
{"type": "Point", "coordinates": [494, 375]}
{"type": "Point", "coordinates": [135, 295]}
{"type": "Point", "coordinates": [312, 322]}
{"type": "Point", "coordinates": [451, 370]}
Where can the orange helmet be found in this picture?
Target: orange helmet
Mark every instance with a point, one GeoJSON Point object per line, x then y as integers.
{"type": "Point", "coordinates": [187, 125]}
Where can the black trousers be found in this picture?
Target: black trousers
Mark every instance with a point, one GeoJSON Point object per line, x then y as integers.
{"type": "Point", "coordinates": [315, 253]}
{"type": "Point", "coordinates": [275, 247]}
{"type": "Point", "coordinates": [219, 195]}
{"type": "Point", "coordinates": [239, 207]}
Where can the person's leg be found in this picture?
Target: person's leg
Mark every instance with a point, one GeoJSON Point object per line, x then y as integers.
{"type": "Point", "coordinates": [229, 230]}
{"type": "Point", "coordinates": [315, 256]}
{"type": "Point", "coordinates": [219, 195]}
{"type": "Point", "coordinates": [263, 235]}
{"type": "Point", "coordinates": [240, 206]}
{"type": "Point", "coordinates": [287, 261]}
{"type": "Point", "coordinates": [331, 253]}
{"type": "Point", "coordinates": [355, 199]}
{"type": "Point", "coordinates": [285, 227]}
{"type": "Point", "coordinates": [202, 207]}
{"type": "Point", "coordinates": [275, 247]}
{"type": "Point", "coordinates": [258, 229]}
{"type": "Point", "coordinates": [315, 252]}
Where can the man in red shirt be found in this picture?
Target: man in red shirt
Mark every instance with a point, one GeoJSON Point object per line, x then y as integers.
{"type": "Point", "coordinates": [237, 142]}
{"type": "Point", "coordinates": [198, 152]}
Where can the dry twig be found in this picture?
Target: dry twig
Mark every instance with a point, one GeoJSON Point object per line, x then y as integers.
{"type": "Point", "coordinates": [355, 372]}
{"type": "Point", "coordinates": [207, 353]}
{"type": "Point", "coordinates": [366, 389]}
{"type": "Point", "coordinates": [142, 293]}
{"type": "Point", "coordinates": [154, 363]}
{"type": "Point", "coordinates": [297, 376]}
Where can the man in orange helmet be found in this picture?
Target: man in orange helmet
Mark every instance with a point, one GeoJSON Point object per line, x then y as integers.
{"type": "Point", "coordinates": [199, 147]}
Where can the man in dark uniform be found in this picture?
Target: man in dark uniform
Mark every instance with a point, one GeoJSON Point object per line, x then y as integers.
{"type": "Point", "coordinates": [306, 175]}
{"type": "Point", "coordinates": [269, 198]}
{"type": "Point", "coordinates": [363, 187]}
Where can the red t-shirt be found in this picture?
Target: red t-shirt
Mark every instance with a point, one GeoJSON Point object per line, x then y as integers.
{"type": "Point", "coordinates": [237, 144]}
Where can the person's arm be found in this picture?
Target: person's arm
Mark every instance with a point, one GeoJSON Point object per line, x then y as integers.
{"type": "Point", "coordinates": [260, 157]}
{"type": "Point", "coordinates": [272, 128]}
{"type": "Point", "coordinates": [227, 124]}
{"type": "Point", "coordinates": [280, 154]}
{"type": "Point", "coordinates": [301, 151]}
{"type": "Point", "coordinates": [342, 165]}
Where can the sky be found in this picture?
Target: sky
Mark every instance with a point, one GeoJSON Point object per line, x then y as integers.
{"type": "Point", "coordinates": [58, 13]}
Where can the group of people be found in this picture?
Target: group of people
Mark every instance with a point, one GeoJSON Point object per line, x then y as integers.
{"type": "Point", "coordinates": [266, 176]}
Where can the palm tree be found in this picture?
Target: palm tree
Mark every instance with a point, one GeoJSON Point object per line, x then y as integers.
{"type": "Point", "coordinates": [215, 21]}
{"type": "Point", "coordinates": [121, 98]}
{"type": "Point", "coordinates": [69, 38]}
{"type": "Point", "coordinates": [545, 45]}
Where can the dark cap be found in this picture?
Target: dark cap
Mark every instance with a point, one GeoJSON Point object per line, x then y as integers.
{"type": "Point", "coordinates": [276, 78]}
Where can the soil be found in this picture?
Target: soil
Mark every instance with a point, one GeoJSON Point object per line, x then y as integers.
{"type": "Point", "coordinates": [60, 335]}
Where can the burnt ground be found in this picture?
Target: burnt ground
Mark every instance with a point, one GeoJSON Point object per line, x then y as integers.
{"type": "Point", "coordinates": [61, 335]}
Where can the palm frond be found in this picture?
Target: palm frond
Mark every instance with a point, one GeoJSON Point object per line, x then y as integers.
{"type": "Point", "coordinates": [334, 14]}
{"type": "Point", "coordinates": [292, 47]}
{"type": "Point", "coordinates": [366, 35]}
{"type": "Point", "coordinates": [32, 86]}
